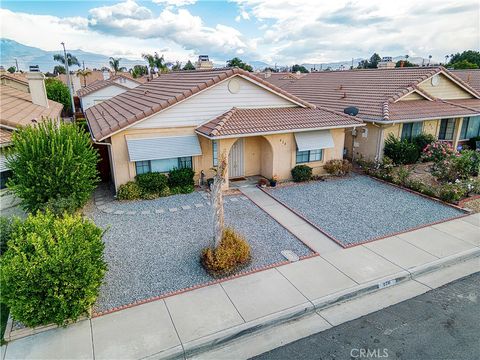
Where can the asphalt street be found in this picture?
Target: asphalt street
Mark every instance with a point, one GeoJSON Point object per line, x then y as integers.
{"type": "Point", "coordinates": [439, 325]}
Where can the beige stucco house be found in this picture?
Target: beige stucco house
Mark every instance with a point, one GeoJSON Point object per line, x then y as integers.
{"type": "Point", "coordinates": [404, 102]}
{"type": "Point", "coordinates": [191, 118]}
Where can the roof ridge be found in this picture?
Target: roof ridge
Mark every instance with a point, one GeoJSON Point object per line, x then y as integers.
{"type": "Point", "coordinates": [464, 83]}
{"type": "Point", "coordinates": [458, 105]}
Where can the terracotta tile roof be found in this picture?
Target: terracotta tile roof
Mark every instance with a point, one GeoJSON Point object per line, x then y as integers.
{"type": "Point", "coordinates": [100, 84]}
{"type": "Point", "coordinates": [162, 92]}
{"type": "Point", "coordinates": [471, 77]}
{"type": "Point", "coordinates": [17, 109]}
{"type": "Point", "coordinates": [237, 121]}
{"type": "Point", "coordinates": [371, 91]}
{"type": "Point", "coordinates": [280, 79]}
{"type": "Point", "coordinates": [424, 109]}
{"type": "Point", "coordinates": [5, 137]}
{"type": "Point", "coordinates": [18, 77]}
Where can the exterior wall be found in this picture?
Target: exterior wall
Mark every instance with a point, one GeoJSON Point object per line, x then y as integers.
{"type": "Point", "coordinates": [127, 82]}
{"type": "Point", "coordinates": [365, 143]}
{"type": "Point", "coordinates": [263, 155]}
{"type": "Point", "coordinates": [213, 102]}
{"type": "Point", "coordinates": [101, 95]}
{"type": "Point", "coordinates": [431, 127]}
{"type": "Point", "coordinates": [445, 89]}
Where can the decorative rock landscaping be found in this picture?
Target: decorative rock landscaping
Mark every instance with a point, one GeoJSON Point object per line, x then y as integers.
{"type": "Point", "coordinates": [154, 250]}
{"type": "Point", "coordinates": [356, 209]}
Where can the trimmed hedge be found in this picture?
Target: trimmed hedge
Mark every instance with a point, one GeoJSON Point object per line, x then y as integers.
{"type": "Point", "coordinates": [53, 269]}
{"type": "Point", "coordinates": [152, 182]}
{"type": "Point", "coordinates": [301, 173]}
{"type": "Point", "coordinates": [181, 178]}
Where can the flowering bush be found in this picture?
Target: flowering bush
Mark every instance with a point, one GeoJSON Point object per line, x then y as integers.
{"type": "Point", "coordinates": [452, 192]}
{"type": "Point", "coordinates": [437, 151]}
{"type": "Point", "coordinates": [458, 167]}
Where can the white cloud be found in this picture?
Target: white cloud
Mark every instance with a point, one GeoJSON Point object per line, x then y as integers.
{"type": "Point", "coordinates": [176, 3]}
{"type": "Point", "coordinates": [317, 31]}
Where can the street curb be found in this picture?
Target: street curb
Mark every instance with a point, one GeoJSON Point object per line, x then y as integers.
{"type": "Point", "coordinates": [223, 337]}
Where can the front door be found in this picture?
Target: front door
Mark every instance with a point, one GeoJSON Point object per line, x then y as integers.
{"type": "Point", "coordinates": [235, 160]}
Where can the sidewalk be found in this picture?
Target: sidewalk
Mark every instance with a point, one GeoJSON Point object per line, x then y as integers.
{"type": "Point", "coordinates": [187, 324]}
{"type": "Point", "coordinates": [308, 234]}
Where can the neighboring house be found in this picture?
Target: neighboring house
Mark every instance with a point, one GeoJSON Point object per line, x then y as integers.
{"type": "Point", "coordinates": [191, 118]}
{"type": "Point", "coordinates": [404, 102]}
{"type": "Point", "coordinates": [16, 81]}
{"type": "Point", "coordinates": [21, 108]}
{"type": "Point", "coordinates": [102, 90]}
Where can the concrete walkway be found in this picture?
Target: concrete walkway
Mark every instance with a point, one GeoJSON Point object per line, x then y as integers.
{"type": "Point", "coordinates": [314, 289]}
{"type": "Point", "coordinates": [308, 234]}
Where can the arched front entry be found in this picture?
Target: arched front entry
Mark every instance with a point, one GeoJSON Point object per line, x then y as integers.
{"type": "Point", "coordinates": [250, 156]}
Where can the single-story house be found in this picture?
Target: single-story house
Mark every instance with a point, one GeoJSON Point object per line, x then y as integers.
{"type": "Point", "coordinates": [102, 90]}
{"type": "Point", "coordinates": [191, 118]}
{"type": "Point", "coordinates": [402, 101]}
{"type": "Point", "coordinates": [22, 107]}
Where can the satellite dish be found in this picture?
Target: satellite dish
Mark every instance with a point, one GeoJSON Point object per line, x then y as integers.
{"type": "Point", "coordinates": [351, 110]}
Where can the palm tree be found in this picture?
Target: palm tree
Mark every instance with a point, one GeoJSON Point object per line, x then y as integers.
{"type": "Point", "coordinates": [84, 73]}
{"type": "Point", "coordinates": [177, 66]}
{"type": "Point", "coordinates": [156, 63]}
{"type": "Point", "coordinates": [429, 59]}
{"type": "Point", "coordinates": [72, 60]}
{"type": "Point", "coordinates": [115, 65]}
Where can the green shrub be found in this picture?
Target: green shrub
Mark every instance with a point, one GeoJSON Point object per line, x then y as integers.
{"type": "Point", "coordinates": [59, 205]}
{"type": "Point", "coordinates": [301, 173]}
{"type": "Point", "coordinates": [52, 270]}
{"type": "Point", "coordinates": [422, 140]}
{"type": "Point", "coordinates": [129, 191]}
{"type": "Point", "coordinates": [401, 151]}
{"type": "Point", "coordinates": [458, 167]}
{"type": "Point", "coordinates": [338, 167]}
{"type": "Point", "coordinates": [52, 161]}
{"type": "Point", "coordinates": [402, 175]}
{"type": "Point", "coordinates": [419, 186]}
{"type": "Point", "coordinates": [6, 228]}
{"type": "Point", "coordinates": [452, 192]}
{"type": "Point", "coordinates": [152, 183]}
{"type": "Point", "coordinates": [181, 177]}
{"type": "Point", "coordinates": [232, 253]}
{"type": "Point", "coordinates": [187, 189]}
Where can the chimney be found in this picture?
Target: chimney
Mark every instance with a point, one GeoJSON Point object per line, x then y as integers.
{"type": "Point", "coordinates": [36, 85]}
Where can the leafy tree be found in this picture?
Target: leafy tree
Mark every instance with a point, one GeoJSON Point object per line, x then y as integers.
{"type": "Point", "coordinates": [156, 63]}
{"type": "Point", "coordinates": [372, 63]}
{"type": "Point", "coordinates": [59, 69]}
{"type": "Point", "coordinates": [464, 64]}
{"type": "Point", "coordinates": [237, 62]}
{"type": "Point", "coordinates": [115, 65]}
{"type": "Point", "coordinates": [270, 69]}
{"type": "Point", "coordinates": [52, 161]}
{"type": "Point", "coordinates": [177, 66]}
{"type": "Point", "coordinates": [53, 270]}
{"type": "Point", "coordinates": [471, 56]}
{"type": "Point", "coordinates": [58, 91]}
{"type": "Point", "coordinates": [12, 69]}
{"type": "Point", "coordinates": [72, 60]}
{"type": "Point", "coordinates": [404, 63]}
{"type": "Point", "coordinates": [84, 74]}
{"type": "Point", "coordinates": [189, 66]}
{"type": "Point", "coordinates": [139, 71]}
{"type": "Point", "coordinates": [300, 68]}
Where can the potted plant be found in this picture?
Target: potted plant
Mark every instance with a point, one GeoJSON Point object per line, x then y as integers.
{"type": "Point", "coordinates": [263, 182]}
{"type": "Point", "coordinates": [273, 181]}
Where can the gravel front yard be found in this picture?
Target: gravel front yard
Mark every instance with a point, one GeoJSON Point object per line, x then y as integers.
{"type": "Point", "coordinates": [357, 208]}
{"type": "Point", "coordinates": [153, 254]}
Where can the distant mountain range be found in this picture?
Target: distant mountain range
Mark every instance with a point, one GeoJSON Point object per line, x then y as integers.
{"type": "Point", "coordinates": [28, 55]}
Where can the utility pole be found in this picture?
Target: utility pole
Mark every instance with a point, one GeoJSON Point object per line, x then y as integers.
{"type": "Point", "coordinates": [16, 64]}
{"type": "Point", "coordinates": [68, 79]}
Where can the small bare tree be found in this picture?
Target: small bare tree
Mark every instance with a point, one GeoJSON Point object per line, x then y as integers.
{"type": "Point", "coordinates": [217, 200]}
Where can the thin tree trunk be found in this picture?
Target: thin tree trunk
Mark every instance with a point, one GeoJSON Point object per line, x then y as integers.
{"type": "Point", "coordinates": [217, 200]}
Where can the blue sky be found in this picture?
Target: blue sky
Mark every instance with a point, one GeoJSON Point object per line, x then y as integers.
{"type": "Point", "coordinates": [282, 31]}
